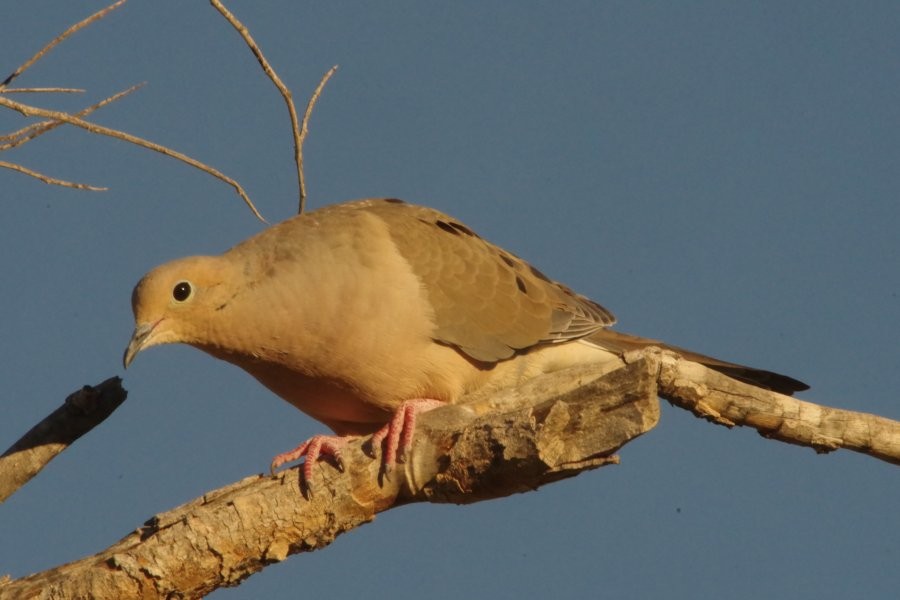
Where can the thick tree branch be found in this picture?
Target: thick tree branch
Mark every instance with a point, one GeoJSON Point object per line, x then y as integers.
{"type": "Point", "coordinates": [516, 440]}
{"type": "Point", "coordinates": [552, 428]}
{"type": "Point", "coordinates": [82, 411]}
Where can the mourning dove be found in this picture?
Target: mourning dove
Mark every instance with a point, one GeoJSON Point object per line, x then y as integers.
{"type": "Point", "coordinates": [363, 310]}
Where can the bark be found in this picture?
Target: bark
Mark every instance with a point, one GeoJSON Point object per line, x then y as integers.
{"type": "Point", "coordinates": [82, 411]}
{"type": "Point", "coordinates": [551, 428]}
{"type": "Point", "coordinates": [724, 401]}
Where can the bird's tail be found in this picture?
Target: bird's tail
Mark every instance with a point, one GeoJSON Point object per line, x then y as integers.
{"type": "Point", "coordinates": [624, 342]}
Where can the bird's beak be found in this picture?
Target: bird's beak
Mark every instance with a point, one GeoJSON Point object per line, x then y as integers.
{"type": "Point", "coordinates": [138, 342]}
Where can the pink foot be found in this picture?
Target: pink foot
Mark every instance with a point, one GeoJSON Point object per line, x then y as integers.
{"type": "Point", "coordinates": [312, 449]}
{"type": "Point", "coordinates": [397, 434]}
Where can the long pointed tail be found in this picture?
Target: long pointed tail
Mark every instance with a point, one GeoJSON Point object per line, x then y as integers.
{"type": "Point", "coordinates": [623, 342]}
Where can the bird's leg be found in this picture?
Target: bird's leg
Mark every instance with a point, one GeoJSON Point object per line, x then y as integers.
{"type": "Point", "coordinates": [397, 434]}
{"type": "Point", "coordinates": [312, 449]}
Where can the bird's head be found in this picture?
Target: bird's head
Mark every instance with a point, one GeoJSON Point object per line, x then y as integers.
{"type": "Point", "coordinates": [174, 303]}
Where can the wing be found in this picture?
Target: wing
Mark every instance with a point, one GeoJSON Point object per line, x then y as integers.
{"type": "Point", "coordinates": [487, 302]}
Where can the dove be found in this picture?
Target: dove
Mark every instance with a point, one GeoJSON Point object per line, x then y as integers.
{"type": "Point", "coordinates": [367, 313]}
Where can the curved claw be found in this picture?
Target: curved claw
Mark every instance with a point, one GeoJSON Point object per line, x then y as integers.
{"type": "Point", "coordinates": [396, 436]}
{"type": "Point", "coordinates": [311, 450]}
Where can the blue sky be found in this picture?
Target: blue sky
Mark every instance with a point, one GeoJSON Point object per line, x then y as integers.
{"type": "Point", "coordinates": [721, 175]}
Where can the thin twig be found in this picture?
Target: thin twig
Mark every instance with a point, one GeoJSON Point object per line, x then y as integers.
{"type": "Point", "coordinates": [304, 131]}
{"type": "Point", "coordinates": [299, 134]}
{"type": "Point", "coordinates": [6, 137]}
{"type": "Point", "coordinates": [30, 111]}
{"type": "Point", "coordinates": [80, 25]}
{"type": "Point", "coordinates": [28, 133]}
{"type": "Point", "coordinates": [50, 180]}
{"type": "Point", "coordinates": [42, 90]}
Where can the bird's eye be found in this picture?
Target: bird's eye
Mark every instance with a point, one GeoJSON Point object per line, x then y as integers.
{"type": "Point", "coordinates": [181, 291]}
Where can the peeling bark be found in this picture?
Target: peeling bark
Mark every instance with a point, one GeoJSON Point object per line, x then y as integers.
{"type": "Point", "coordinates": [552, 428]}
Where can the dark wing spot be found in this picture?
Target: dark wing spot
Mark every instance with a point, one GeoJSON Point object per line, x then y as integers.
{"type": "Point", "coordinates": [446, 227]}
{"type": "Point", "coordinates": [509, 262]}
{"type": "Point", "coordinates": [462, 229]}
{"type": "Point", "coordinates": [564, 289]}
{"type": "Point", "coordinates": [394, 201]}
{"type": "Point", "coordinates": [540, 275]}
{"type": "Point", "coordinates": [455, 228]}
{"type": "Point", "coordinates": [521, 285]}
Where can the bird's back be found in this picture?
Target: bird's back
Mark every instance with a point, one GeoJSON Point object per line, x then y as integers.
{"type": "Point", "coordinates": [358, 306]}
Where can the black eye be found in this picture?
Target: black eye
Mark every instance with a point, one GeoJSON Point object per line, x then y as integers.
{"type": "Point", "coordinates": [181, 291]}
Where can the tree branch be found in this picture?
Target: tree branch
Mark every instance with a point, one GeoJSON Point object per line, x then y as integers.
{"type": "Point", "coordinates": [304, 131]}
{"type": "Point", "coordinates": [276, 80]}
{"type": "Point", "coordinates": [56, 118]}
{"type": "Point", "coordinates": [82, 411]}
{"type": "Point", "coordinates": [552, 428]}
{"type": "Point", "coordinates": [55, 41]}
{"type": "Point", "coordinates": [300, 131]}
{"type": "Point", "coordinates": [32, 111]}
{"type": "Point", "coordinates": [724, 401]}
{"type": "Point", "coordinates": [50, 180]}
{"type": "Point", "coordinates": [30, 132]}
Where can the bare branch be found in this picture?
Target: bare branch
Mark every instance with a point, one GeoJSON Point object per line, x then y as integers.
{"type": "Point", "coordinates": [299, 132]}
{"type": "Point", "coordinates": [725, 401]}
{"type": "Point", "coordinates": [34, 130]}
{"type": "Point", "coordinates": [41, 90]}
{"type": "Point", "coordinates": [273, 76]}
{"type": "Point", "coordinates": [21, 133]}
{"type": "Point", "coordinates": [50, 180]}
{"type": "Point", "coordinates": [82, 411]}
{"type": "Point", "coordinates": [304, 131]}
{"type": "Point", "coordinates": [30, 111]}
{"type": "Point", "coordinates": [80, 25]}
{"type": "Point", "coordinates": [552, 428]}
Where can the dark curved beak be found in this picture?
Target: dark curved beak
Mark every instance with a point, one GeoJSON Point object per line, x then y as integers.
{"type": "Point", "coordinates": [138, 341]}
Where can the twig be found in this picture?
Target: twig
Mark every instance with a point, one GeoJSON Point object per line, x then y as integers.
{"type": "Point", "coordinates": [50, 180]}
{"type": "Point", "coordinates": [34, 130]}
{"type": "Point", "coordinates": [304, 131]}
{"type": "Point", "coordinates": [82, 411]}
{"type": "Point", "coordinates": [30, 111]}
{"type": "Point", "coordinates": [299, 132]}
{"type": "Point", "coordinates": [81, 24]}
{"type": "Point", "coordinates": [41, 90]}
{"type": "Point", "coordinates": [283, 89]}
{"type": "Point", "coordinates": [21, 133]}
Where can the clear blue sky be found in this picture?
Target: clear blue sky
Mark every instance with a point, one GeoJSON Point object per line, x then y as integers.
{"type": "Point", "coordinates": [721, 175]}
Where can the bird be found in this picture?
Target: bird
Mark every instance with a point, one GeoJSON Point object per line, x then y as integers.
{"type": "Point", "coordinates": [364, 314]}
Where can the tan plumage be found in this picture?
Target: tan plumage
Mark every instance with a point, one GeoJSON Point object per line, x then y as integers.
{"type": "Point", "coordinates": [349, 310]}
